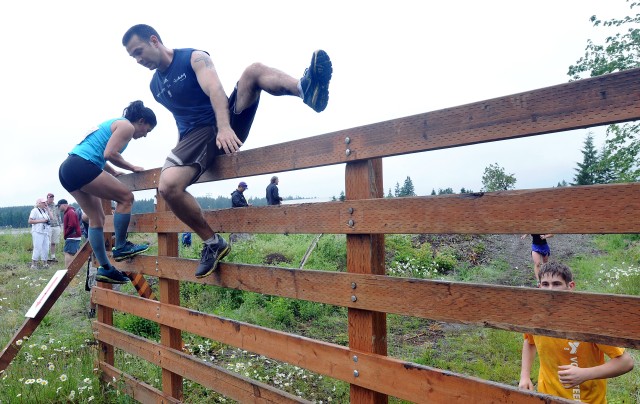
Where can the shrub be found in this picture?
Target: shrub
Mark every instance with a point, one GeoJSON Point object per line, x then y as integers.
{"type": "Point", "coordinates": [137, 325]}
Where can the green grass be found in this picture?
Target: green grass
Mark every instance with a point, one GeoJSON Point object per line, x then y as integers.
{"type": "Point", "coordinates": [66, 366]}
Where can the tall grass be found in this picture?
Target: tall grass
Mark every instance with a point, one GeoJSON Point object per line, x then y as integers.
{"type": "Point", "coordinates": [56, 363]}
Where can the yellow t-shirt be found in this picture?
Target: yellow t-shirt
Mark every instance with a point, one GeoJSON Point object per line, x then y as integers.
{"type": "Point", "coordinates": [554, 352]}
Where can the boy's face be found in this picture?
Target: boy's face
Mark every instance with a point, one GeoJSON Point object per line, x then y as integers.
{"type": "Point", "coordinates": [555, 282]}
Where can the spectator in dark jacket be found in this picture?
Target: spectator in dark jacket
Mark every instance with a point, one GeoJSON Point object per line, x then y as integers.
{"type": "Point", "coordinates": [273, 197]}
{"type": "Point", "coordinates": [237, 197]}
{"type": "Point", "coordinates": [71, 230]}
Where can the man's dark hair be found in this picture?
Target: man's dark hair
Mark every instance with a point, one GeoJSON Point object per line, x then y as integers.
{"type": "Point", "coordinates": [274, 179]}
{"type": "Point", "coordinates": [143, 32]}
{"type": "Point", "coordinates": [555, 268]}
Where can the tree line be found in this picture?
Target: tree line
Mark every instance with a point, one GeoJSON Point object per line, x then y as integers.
{"type": "Point", "coordinates": [17, 216]}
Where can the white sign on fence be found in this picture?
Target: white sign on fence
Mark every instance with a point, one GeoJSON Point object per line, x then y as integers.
{"type": "Point", "coordinates": [46, 292]}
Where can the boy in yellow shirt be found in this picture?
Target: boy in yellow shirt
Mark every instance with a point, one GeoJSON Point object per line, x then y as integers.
{"type": "Point", "coordinates": [570, 369]}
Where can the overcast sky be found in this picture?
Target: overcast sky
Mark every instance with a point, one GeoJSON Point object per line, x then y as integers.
{"type": "Point", "coordinates": [64, 70]}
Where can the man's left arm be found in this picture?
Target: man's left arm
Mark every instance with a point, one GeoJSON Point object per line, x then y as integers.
{"type": "Point", "coordinates": [210, 83]}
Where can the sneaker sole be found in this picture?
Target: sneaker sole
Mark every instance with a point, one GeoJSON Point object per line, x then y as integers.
{"type": "Point", "coordinates": [105, 279]}
{"type": "Point", "coordinates": [223, 254]}
{"type": "Point", "coordinates": [322, 71]}
{"type": "Point", "coordinates": [321, 67]}
{"type": "Point", "coordinates": [124, 257]}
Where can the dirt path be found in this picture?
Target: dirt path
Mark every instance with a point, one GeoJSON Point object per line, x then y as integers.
{"type": "Point", "coordinates": [517, 253]}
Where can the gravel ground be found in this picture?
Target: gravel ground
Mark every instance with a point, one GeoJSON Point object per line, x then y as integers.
{"type": "Point", "coordinates": [511, 249]}
{"type": "Point", "coordinates": [517, 252]}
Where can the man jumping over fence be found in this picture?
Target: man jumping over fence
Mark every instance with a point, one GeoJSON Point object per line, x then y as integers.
{"type": "Point", "coordinates": [210, 124]}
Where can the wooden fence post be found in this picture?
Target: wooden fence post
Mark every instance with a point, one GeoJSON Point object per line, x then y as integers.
{"type": "Point", "coordinates": [365, 255]}
{"type": "Point", "coordinates": [105, 314]}
{"type": "Point", "coordinates": [169, 294]}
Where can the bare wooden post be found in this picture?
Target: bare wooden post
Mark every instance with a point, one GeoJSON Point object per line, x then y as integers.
{"type": "Point", "coordinates": [365, 255]}
{"type": "Point", "coordinates": [105, 314]}
{"type": "Point", "coordinates": [169, 294]}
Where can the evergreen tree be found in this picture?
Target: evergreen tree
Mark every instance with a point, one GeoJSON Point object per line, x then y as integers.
{"type": "Point", "coordinates": [407, 189]}
{"type": "Point", "coordinates": [446, 191]}
{"type": "Point", "coordinates": [342, 196]}
{"type": "Point", "coordinates": [397, 191]}
{"type": "Point", "coordinates": [621, 51]}
{"type": "Point", "coordinates": [389, 195]}
{"type": "Point", "coordinates": [562, 184]}
{"type": "Point", "coordinates": [586, 171]}
{"type": "Point", "coordinates": [433, 191]}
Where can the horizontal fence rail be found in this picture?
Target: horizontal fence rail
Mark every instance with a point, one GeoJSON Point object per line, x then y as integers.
{"type": "Point", "coordinates": [398, 378]}
{"type": "Point", "coordinates": [364, 290]}
{"type": "Point", "coordinates": [603, 100]}
{"type": "Point", "coordinates": [611, 208]}
{"type": "Point", "coordinates": [544, 312]}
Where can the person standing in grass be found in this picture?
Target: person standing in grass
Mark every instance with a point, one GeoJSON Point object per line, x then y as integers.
{"type": "Point", "coordinates": [89, 178]}
{"type": "Point", "coordinates": [273, 196]}
{"type": "Point", "coordinates": [237, 197]}
{"type": "Point", "coordinates": [72, 233]}
{"type": "Point", "coordinates": [39, 220]}
{"type": "Point", "coordinates": [540, 251]}
{"type": "Point", "coordinates": [54, 229]}
{"type": "Point", "coordinates": [568, 368]}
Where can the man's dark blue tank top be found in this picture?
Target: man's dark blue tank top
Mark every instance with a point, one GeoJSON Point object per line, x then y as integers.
{"type": "Point", "coordinates": [177, 88]}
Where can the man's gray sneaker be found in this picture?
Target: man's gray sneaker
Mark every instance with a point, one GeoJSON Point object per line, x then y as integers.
{"type": "Point", "coordinates": [211, 256]}
{"type": "Point", "coordinates": [315, 81]}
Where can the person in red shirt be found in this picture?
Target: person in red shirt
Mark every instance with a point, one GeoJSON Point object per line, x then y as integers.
{"type": "Point", "coordinates": [71, 230]}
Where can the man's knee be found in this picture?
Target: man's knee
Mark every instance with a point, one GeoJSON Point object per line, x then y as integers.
{"type": "Point", "coordinates": [254, 71]}
{"type": "Point", "coordinates": [169, 191]}
{"type": "Point", "coordinates": [174, 182]}
{"type": "Point", "coordinates": [126, 201]}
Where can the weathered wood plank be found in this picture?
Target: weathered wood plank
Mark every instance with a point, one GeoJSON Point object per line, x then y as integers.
{"type": "Point", "coordinates": [595, 101]}
{"type": "Point", "coordinates": [390, 376]}
{"type": "Point", "coordinates": [136, 389]}
{"type": "Point", "coordinates": [169, 294]}
{"type": "Point", "coordinates": [365, 255]}
{"type": "Point", "coordinates": [30, 324]}
{"type": "Point", "coordinates": [593, 209]}
{"type": "Point", "coordinates": [232, 385]}
{"type": "Point", "coordinates": [504, 307]}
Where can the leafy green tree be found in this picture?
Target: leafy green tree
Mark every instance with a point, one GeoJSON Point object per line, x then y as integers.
{"type": "Point", "coordinates": [495, 179]}
{"type": "Point", "coordinates": [586, 171]}
{"type": "Point", "coordinates": [619, 160]}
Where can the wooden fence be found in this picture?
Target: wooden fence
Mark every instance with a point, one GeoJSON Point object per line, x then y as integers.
{"type": "Point", "coordinates": [365, 217]}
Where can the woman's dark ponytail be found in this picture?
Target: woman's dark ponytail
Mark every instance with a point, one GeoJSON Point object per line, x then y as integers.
{"type": "Point", "coordinates": [137, 110]}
